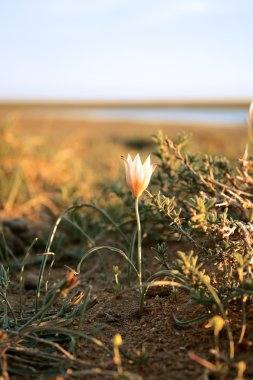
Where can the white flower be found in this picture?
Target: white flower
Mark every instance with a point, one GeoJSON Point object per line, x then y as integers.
{"type": "Point", "coordinates": [251, 114]}
{"type": "Point", "coordinates": [137, 175]}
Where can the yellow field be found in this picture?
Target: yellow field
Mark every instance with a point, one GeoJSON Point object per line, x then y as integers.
{"type": "Point", "coordinates": [73, 158]}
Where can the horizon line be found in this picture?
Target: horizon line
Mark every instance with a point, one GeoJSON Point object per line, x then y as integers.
{"type": "Point", "coordinates": [190, 102]}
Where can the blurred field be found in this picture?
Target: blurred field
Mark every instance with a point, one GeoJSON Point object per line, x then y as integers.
{"type": "Point", "coordinates": [45, 158]}
{"type": "Point", "coordinates": [170, 103]}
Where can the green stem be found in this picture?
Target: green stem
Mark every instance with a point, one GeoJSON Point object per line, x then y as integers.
{"type": "Point", "coordinates": [139, 244]}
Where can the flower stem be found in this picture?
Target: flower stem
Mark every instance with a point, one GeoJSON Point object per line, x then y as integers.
{"type": "Point", "coordinates": [139, 243]}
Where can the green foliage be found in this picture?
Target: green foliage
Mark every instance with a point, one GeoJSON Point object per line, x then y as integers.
{"type": "Point", "coordinates": [206, 202]}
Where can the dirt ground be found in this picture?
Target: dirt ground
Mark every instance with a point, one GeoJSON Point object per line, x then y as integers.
{"type": "Point", "coordinates": [154, 346]}
{"type": "Point", "coordinates": [167, 345]}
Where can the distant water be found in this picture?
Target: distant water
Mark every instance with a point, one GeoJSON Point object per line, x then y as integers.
{"type": "Point", "coordinates": [201, 115]}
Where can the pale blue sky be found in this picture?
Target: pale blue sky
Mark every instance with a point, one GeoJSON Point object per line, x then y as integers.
{"type": "Point", "coordinates": [118, 49]}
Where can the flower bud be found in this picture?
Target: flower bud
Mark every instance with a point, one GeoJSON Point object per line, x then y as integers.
{"type": "Point", "coordinates": [138, 175]}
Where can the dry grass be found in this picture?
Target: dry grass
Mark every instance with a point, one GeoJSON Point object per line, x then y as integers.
{"type": "Point", "coordinates": [70, 160]}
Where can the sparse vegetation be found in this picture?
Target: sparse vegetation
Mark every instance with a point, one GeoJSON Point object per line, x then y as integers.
{"type": "Point", "coordinates": [70, 307]}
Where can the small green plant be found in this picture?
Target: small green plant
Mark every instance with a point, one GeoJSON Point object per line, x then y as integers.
{"type": "Point", "coordinates": [117, 287]}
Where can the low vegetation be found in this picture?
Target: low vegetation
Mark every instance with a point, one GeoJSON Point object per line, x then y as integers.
{"type": "Point", "coordinates": [196, 237]}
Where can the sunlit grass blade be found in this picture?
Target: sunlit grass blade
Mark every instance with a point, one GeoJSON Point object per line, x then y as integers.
{"type": "Point", "coordinates": [104, 247]}
{"type": "Point", "coordinates": [152, 281]}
